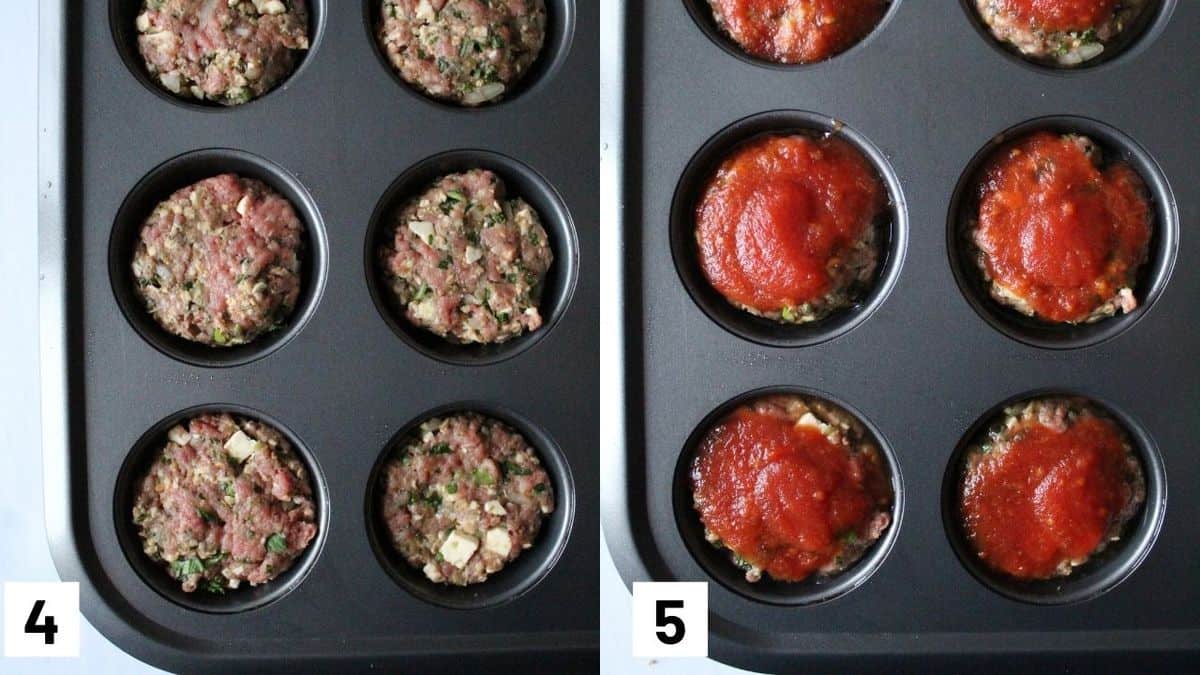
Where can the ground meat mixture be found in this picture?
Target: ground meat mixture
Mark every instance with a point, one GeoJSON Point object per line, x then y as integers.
{"type": "Point", "coordinates": [227, 51]}
{"type": "Point", "coordinates": [1063, 32]}
{"type": "Point", "coordinates": [797, 31]}
{"type": "Point", "coordinates": [1050, 485]}
{"type": "Point", "coordinates": [225, 502]}
{"type": "Point", "coordinates": [791, 486]}
{"type": "Point", "coordinates": [1060, 234]}
{"type": "Point", "coordinates": [467, 263]}
{"type": "Point", "coordinates": [463, 497]}
{"type": "Point", "coordinates": [787, 227]}
{"type": "Point", "coordinates": [219, 261]}
{"type": "Point", "coordinates": [466, 51]}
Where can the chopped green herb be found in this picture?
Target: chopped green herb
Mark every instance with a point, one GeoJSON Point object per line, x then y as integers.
{"type": "Point", "coordinates": [215, 586]}
{"type": "Point", "coordinates": [451, 488]}
{"type": "Point", "coordinates": [539, 488]}
{"type": "Point", "coordinates": [440, 449]}
{"type": "Point", "coordinates": [208, 516]}
{"type": "Point", "coordinates": [182, 569]}
{"type": "Point", "coordinates": [482, 477]}
{"type": "Point", "coordinates": [515, 469]}
{"type": "Point", "coordinates": [276, 543]}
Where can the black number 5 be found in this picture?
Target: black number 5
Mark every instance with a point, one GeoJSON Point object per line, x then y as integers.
{"type": "Point", "coordinates": [663, 621]}
{"type": "Point", "coordinates": [48, 628]}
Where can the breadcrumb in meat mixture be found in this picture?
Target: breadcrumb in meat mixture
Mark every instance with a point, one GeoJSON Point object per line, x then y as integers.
{"type": "Point", "coordinates": [225, 502]}
{"type": "Point", "coordinates": [219, 261]}
{"type": "Point", "coordinates": [463, 497]}
{"type": "Point", "coordinates": [469, 52]}
{"type": "Point", "coordinates": [466, 262]}
{"type": "Point", "coordinates": [226, 51]}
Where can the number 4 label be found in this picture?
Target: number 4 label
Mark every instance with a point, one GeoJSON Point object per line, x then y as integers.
{"type": "Point", "coordinates": [670, 619]}
{"type": "Point", "coordinates": [41, 619]}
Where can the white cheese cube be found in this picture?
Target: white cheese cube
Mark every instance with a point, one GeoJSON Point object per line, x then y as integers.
{"type": "Point", "coordinates": [458, 549]}
{"type": "Point", "coordinates": [240, 446]}
{"type": "Point", "coordinates": [497, 541]}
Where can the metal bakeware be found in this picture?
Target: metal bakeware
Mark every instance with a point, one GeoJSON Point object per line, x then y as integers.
{"type": "Point", "coordinates": [925, 361]}
{"type": "Point", "coordinates": [344, 140]}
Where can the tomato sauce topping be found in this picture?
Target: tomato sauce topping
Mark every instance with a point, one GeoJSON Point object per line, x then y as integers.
{"type": "Point", "coordinates": [1060, 15]}
{"type": "Point", "coordinates": [779, 215]}
{"type": "Point", "coordinates": [782, 496]}
{"type": "Point", "coordinates": [798, 31]}
{"type": "Point", "coordinates": [1056, 230]}
{"type": "Point", "coordinates": [1051, 497]}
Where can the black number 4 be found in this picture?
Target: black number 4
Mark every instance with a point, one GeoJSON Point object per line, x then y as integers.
{"type": "Point", "coordinates": [48, 628]}
{"type": "Point", "coordinates": [662, 621]}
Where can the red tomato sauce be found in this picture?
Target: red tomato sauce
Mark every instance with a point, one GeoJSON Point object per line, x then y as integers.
{"type": "Point", "coordinates": [778, 213]}
{"type": "Point", "coordinates": [1057, 230]}
{"type": "Point", "coordinates": [798, 31]}
{"type": "Point", "coordinates": [1052, 496]}
{"type": "Point", "coordinates": [1060, 15]}
{"type": "Point", "coordinates": [784, 497]}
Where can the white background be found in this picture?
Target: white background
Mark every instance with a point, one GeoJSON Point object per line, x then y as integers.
{"type": "Point", "coordinates": [24, 555]}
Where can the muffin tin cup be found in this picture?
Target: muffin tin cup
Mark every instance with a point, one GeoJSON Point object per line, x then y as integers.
{"type": "Point", "coordinates": [891, 238]}
{"type": "Point", "coordinates": [1152, 277]}
{"type": "Point", "coordinates": [1103, 571]}
{"type": "Point", "coordinates": [520, 181]}
{"type": "Point", "coordinates": [181, 172]}
{"type": "Point", "coordinates": [154, 574]}
{"type": "Point", "coordinates": [122, 15]}
{"type": "Point", "coordinates": [560, 34]}
{"type": "Point", "coordinates": [520, 575]}
{"type": "Point", "coordinates": [817, 588]}
{"type": "Point", "coordinates": [702, 13]}
{"type": "Point", "coordinates": [1132, 41]}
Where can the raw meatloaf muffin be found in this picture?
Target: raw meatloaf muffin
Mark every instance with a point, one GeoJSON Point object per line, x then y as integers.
{"type": "Point", "coordinates": [219, 261]}
{"type": "Point", "coordinates": [1052, 483]}
{"type": "Point", "coordinates": [797, 31]}
{"type": "Point", "coordinates": [1060, 234]}
{"type": "Point", "coordinates": [225, 502]}
{"type": "Point", "coordinates": [463, 497]}
{"type": "Point", "coordinates": [465, 51]}
{"type": "Point", "coordinates": [791, 486]}
{"type": "Point", "coordinates": [786, 228]}
{"type": "Point", "coordinates": [227, 51]}
{"type": "Point", "coordinates": [1065, 32]}
{"type": "Point", "coordinates": [467, 263]}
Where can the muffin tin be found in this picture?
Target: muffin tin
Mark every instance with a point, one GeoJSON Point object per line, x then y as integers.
{"type": "Point", "coordinates": [925, 358]}
{"type": "Point", "coordinates": [345, 142]}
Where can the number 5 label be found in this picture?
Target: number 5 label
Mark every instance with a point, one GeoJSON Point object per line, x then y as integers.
{"type": "Point", "coordinates": [670, 619]}
{"type": "Point", "coordinates": [41, 619]}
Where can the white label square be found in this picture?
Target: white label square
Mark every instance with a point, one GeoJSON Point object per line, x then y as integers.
{"type": "Point", "coordinates": [41, 619]}
{"type": "Point", "coordinates": [670, 619]}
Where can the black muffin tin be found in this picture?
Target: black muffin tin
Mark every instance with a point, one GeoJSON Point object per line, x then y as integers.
{"type": "Point", "coordinates": [926, 360]}
{"type": "Point", "coordinates": [346, 142]}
